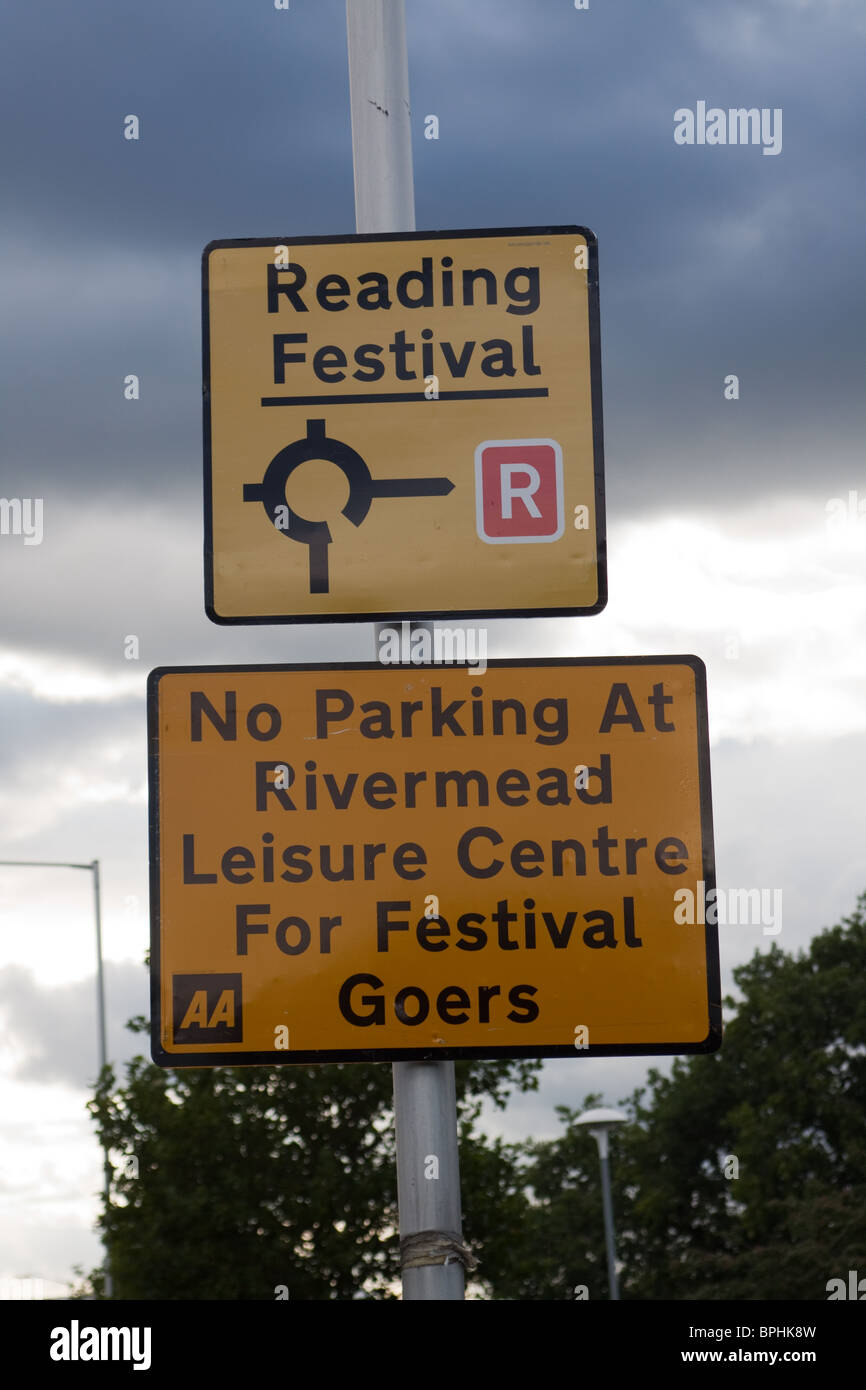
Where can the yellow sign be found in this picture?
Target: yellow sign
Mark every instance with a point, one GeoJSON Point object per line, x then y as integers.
{"type": "Point", "coordinates": [373, 863]}
{"type": "Point", "coordinates": [403, 424]}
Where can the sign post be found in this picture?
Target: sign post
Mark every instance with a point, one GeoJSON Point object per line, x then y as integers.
{"type": "Point", "coordinates": [401, 861]}
{"type": "Point", "coordinates": [425, 1106]}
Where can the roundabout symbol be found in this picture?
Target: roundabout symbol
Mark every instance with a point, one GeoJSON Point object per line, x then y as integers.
{"type": "Point", "coordinates": [363, 490]}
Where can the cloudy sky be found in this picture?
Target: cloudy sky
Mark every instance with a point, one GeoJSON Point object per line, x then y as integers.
{"type": "Point", "coordinates": [736, 528]}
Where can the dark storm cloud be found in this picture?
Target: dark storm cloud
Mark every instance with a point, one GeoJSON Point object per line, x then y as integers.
{"type": "Point", "coordinates": [243, 113]}
{"type": "Point", "coordinates": [244, 124]}
{"type": "Point", "coordinates": [713, 260]}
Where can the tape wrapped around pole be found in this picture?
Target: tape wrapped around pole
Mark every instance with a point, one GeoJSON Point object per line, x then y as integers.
{"type": "Point", "coordinates": [435, 1248]}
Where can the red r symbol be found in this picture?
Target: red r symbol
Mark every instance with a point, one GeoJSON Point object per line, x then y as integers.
{"type": "Point", "coordinates": [518, 491]}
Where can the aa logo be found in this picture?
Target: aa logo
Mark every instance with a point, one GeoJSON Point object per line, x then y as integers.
{"type": "Point", "coordinates": [206, 1009]}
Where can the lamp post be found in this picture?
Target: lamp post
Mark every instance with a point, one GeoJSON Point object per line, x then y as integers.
{"type": "Point", "coordinates": [92, 867]}
{"type": "Point", "coordinates": [600, 1123]}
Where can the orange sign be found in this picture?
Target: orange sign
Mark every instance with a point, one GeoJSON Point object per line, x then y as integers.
{"type": "Point", "coordinates": [375, 862]}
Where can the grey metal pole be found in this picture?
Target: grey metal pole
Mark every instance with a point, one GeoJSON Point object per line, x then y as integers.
{"type": "Point", "coordinates": [100, 978]}
{"type": "Point", "coordinates": [92, 867]}
{"type": "Point", "coordinates": [428, 1180]}
{"type": "Point", "coordinates": [607, 1202]}
{"type": "Point", "coordinates": [425, 1109]}
{"type": "Point", "coordinates": [381, 130]}
{"type": "Point", "coordinates": [103, 1051]}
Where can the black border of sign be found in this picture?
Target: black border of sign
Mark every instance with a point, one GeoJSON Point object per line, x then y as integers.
{"type": "Point", "coordinates": [597, 428]}
{"type": "Point", "coordinates": [420, 1054]}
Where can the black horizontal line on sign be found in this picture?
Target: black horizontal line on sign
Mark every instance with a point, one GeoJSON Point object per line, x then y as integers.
{"type": "Point", "coordinates": [393, 396]}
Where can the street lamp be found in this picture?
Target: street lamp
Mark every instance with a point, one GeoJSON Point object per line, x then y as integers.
{"type": "Point", "coordinates": [600, 1122]}
{"type": "Point", "coordinates": [93, 868]}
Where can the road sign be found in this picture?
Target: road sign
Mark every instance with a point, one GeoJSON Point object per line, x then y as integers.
{"type": "Point", "coordinates": [403, 424]}
{"type": "Point", "coordinates": [369, 863]}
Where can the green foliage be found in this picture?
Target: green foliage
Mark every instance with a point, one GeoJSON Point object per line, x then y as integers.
{"type": "Point", "coordinates": [741, 1175]}
{"type": "Point", "coordinates": [782, 1104]}
{"type": "Point", "coordinates": [786, 1097]}
{"type": "Point", "coordinates": [251, 1178]}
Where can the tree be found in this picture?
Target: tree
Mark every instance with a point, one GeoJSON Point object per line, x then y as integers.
{"type": "Point", "coordinates": [743, 1173]}
{"type": "Point", "coordinates": [248, 1181]}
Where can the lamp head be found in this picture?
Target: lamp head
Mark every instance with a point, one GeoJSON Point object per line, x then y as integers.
{"type": "Point", "coordinates": [602, 1116]}
{"type": "Point", "coordinates": [600, 1123]}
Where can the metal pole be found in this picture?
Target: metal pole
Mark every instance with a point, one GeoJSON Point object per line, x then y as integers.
{"type": "Point", "coordinates": [100, 979]}
{"type": "Point", "coordinates": [425, 1109]}
{"type": "Point", "coordinates": [381, 131]}
{"type": "Point", "coordinates": [601, 1140]}
{"type": "Point", "coordinates": [428, 1180]}
{"type": "Point", "coordinates": [92, 867]}
{"type": "Point", "coordinates": [103, 1052]}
